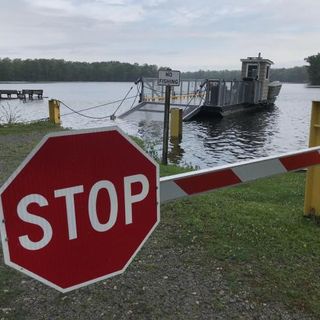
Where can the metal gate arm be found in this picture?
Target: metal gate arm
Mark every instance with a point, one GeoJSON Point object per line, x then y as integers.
{"type": "Point", "coordinates": [200, 181]}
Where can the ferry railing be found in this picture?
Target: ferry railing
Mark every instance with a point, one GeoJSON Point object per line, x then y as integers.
{"type": "Point", "coordinates": [223, 93]}
{"type": "Point", "coordinates": [152, 92]}
{"type": "Point", "coordinates": [217, 92]}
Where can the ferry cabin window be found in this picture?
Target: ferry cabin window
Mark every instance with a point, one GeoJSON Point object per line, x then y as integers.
{"type": "Point", "coordinates": [252, 71]}
{"type": "Point", "coordinates": [267, 72]}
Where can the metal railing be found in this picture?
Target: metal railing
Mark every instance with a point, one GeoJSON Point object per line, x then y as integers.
{"type": "Point", "coordinates": [223, 93]}
{"type": "Point", "coordinates": [217, 92]}
{"type": "Point", "coordinates": [151, 91]}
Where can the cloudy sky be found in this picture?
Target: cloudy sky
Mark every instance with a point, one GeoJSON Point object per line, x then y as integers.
{"type": "Point", "coordinates": [181, 34]}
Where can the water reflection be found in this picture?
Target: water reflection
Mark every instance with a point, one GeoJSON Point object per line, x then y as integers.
{"type": "Point", "coordinates": [246, 132]}
{"type": "Point", "coordinates": [176, 151]}
{"type": "Point", "coordinates": [229, 139]}
{"type": "Point", "coordinates": [208, 142]}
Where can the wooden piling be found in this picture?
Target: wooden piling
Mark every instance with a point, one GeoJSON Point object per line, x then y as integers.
{"type": "Point", "coordinates": [176, 123]}
{"type": "Point", "coordinates": [54, 111]}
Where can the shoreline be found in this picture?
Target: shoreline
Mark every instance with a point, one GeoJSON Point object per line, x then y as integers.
{"type": "Point", "coordinates": [313, 86]}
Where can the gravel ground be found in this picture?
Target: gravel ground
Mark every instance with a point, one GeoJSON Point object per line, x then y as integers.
{"type": "Point", "coordinates": [168, 279]}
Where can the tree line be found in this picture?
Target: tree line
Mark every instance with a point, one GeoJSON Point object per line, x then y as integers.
{"type": "Point", "coordinates": [60, 70]}
{"type": "Point", "coordinates": [294, 75]}
{"type": "Point", "coordinates": [314, 69]}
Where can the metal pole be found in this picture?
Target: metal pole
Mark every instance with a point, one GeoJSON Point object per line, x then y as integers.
{"type": "Point", "coordinates": [312, 199]}
{"type": "Point", "coordinates": [166, 126]}
{"type": "Point", "coordinates": [142, 91]}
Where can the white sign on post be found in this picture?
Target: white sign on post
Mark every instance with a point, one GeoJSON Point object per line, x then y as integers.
{"type": "Point", "coordinates": [169, 78]}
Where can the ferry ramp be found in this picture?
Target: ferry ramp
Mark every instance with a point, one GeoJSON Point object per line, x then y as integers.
{"type": "Point", "coordinates": [188, 96]}
{"type": "Point", "coordinates": [154, 111]}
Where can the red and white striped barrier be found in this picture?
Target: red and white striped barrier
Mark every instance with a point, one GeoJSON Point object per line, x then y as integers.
{"type": "Point", "coordinates": [191, 183]}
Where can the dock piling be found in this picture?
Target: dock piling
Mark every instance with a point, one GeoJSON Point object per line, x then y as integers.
{"type": "Point", "coordinates": [176, 123]}
{"type": "Point", "coordinates": [54, 111]}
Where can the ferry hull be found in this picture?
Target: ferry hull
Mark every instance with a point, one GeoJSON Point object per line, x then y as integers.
{"type": "Point", "coordinates": [224, 111]}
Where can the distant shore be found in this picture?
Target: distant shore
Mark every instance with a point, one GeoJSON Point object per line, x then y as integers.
{"type": "Point", "coordinates": [313, 86]}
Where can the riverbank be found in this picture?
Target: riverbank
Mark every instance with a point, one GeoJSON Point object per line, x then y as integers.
{"type": "Point", "coordinates": [239, 253]}
{"type": "Point", "coordinates": [312, 86]}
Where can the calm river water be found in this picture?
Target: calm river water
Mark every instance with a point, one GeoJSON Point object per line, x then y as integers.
{"type": "Point", "coordinates": [205, 143]}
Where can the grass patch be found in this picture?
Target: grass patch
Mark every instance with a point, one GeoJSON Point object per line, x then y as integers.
{"type": "Point", "coordinates": [258, 233]}
{"type": "Point", "coordinates": [172, 169]}
{"type": "Point", "coordinates": [23, 128]}
{"type": "Point", "coordinates": [17, 140]}
{"type": "Point", "coordinates": [165, 170]}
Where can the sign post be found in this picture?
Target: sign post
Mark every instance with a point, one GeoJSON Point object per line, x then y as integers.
{"type": "Point", "coordinates": [165, 140]}
{"type": "Point", "coordinates": [167, 78]}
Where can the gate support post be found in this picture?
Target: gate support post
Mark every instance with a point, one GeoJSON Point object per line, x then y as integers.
{"type": "Point", "coordinates": [312, 191]}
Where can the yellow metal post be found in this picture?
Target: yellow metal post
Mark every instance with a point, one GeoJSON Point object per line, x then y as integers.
{"type": "Point", "coordinates": [312, 192]}
{"type": "Point", "coordinates": [54, 111]}
{"type": "Point", "coordinates": [176, 123]}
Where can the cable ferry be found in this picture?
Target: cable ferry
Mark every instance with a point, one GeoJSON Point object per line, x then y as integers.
{"type": "Point", "coordinates": [214, 97]}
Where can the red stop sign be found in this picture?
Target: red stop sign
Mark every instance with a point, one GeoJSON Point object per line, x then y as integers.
{"type": "Point", "coordinates": [79, 208]}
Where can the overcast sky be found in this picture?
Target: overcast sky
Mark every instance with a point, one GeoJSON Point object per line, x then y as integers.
{"type": "Point", "coordinates": [181, 34]}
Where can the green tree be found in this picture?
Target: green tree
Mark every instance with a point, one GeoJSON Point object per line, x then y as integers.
{"type": "Point", "coordinates": [314, 69]}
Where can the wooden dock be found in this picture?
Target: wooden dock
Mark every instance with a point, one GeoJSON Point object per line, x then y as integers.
{"type": "Point", "coordinates": [21, 94]}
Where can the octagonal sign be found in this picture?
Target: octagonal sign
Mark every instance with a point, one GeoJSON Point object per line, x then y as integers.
{"type": "Point", "coordinates": [79, 208]}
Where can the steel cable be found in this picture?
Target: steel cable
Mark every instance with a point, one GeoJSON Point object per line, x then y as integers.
{"type": "Point", "coordinates": [79, 112]}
